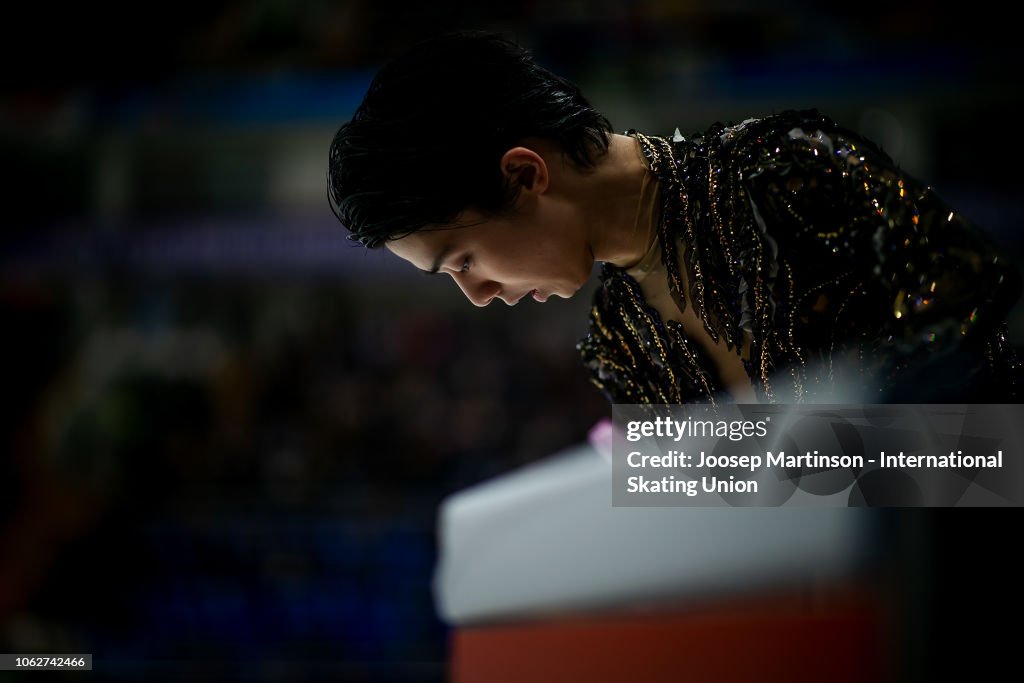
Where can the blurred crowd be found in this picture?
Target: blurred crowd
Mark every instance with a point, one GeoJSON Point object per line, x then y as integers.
{"type": "Point", "coordinates": [210, 468]}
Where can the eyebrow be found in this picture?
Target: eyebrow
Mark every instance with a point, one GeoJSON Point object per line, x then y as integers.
{"type": "Point", "coordinates": [438, 261]}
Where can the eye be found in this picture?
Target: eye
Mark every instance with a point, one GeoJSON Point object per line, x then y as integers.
{"type": "Point", "coordinates": [465, 266]}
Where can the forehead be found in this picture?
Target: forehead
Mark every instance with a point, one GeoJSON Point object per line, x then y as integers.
{"type": "Point", "coordinates": [427, 245]}
{"type": "Point", "coordinates": [424, 248]}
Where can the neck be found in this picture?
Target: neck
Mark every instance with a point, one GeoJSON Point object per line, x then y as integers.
{"type": "Point", "coordinates": [611, 200]}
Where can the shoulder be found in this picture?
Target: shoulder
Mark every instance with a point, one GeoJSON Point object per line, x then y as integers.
{"type": "Point", "coordinates": [775, 122]}
{"type": "Point", "coordinates": [806, 134]}
{"type": "Point", "coordinates": [803, 135]}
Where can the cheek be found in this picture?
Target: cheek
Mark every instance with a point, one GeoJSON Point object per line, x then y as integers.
{"type": "Point", "coordinates": [571, 265]}
{"type": "Point", "coordinates": [569, 258]}
{"type": "Point", "coordinates": [566, 260]}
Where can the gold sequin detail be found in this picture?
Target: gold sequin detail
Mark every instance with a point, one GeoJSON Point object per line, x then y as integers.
{"type": "Point", "coordinates": [812, 242]}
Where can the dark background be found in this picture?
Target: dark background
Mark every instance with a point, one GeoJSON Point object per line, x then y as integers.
{"type": "Point", "coordinates": [228, 429]}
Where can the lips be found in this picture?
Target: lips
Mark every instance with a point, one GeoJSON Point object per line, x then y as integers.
{"type": "Point", "coordinates": [519, 298]}
{"type": "Point", "coordinates": [535, 293]}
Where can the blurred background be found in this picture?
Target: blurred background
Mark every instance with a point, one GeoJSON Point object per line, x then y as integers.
{"type": "Point", "coordinates": [228, 428]}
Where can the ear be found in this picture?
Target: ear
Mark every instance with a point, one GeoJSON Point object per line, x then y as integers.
{"type": "Point", "coordinates": [525, 170]}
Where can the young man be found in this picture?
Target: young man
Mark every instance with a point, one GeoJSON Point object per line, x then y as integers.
{"type": "Point", "coordinates": [763, 261]}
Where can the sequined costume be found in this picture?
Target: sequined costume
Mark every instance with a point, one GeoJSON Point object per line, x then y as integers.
{"type": "Point", "coordinates": [807, 246]}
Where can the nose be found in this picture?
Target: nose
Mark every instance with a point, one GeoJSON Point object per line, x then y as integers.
{"type": "Point", "coordinates": [480, 292]}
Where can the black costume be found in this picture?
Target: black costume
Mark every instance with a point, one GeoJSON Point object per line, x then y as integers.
{"type": "Point", "coordinates": [807, 241]}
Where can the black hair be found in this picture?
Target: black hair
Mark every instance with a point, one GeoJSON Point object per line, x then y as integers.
{"type": "Point", "coordinates": [427, 140]}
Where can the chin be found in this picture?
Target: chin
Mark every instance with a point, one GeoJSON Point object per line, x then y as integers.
{"type": "Point", "coordinates": [580, 285]}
